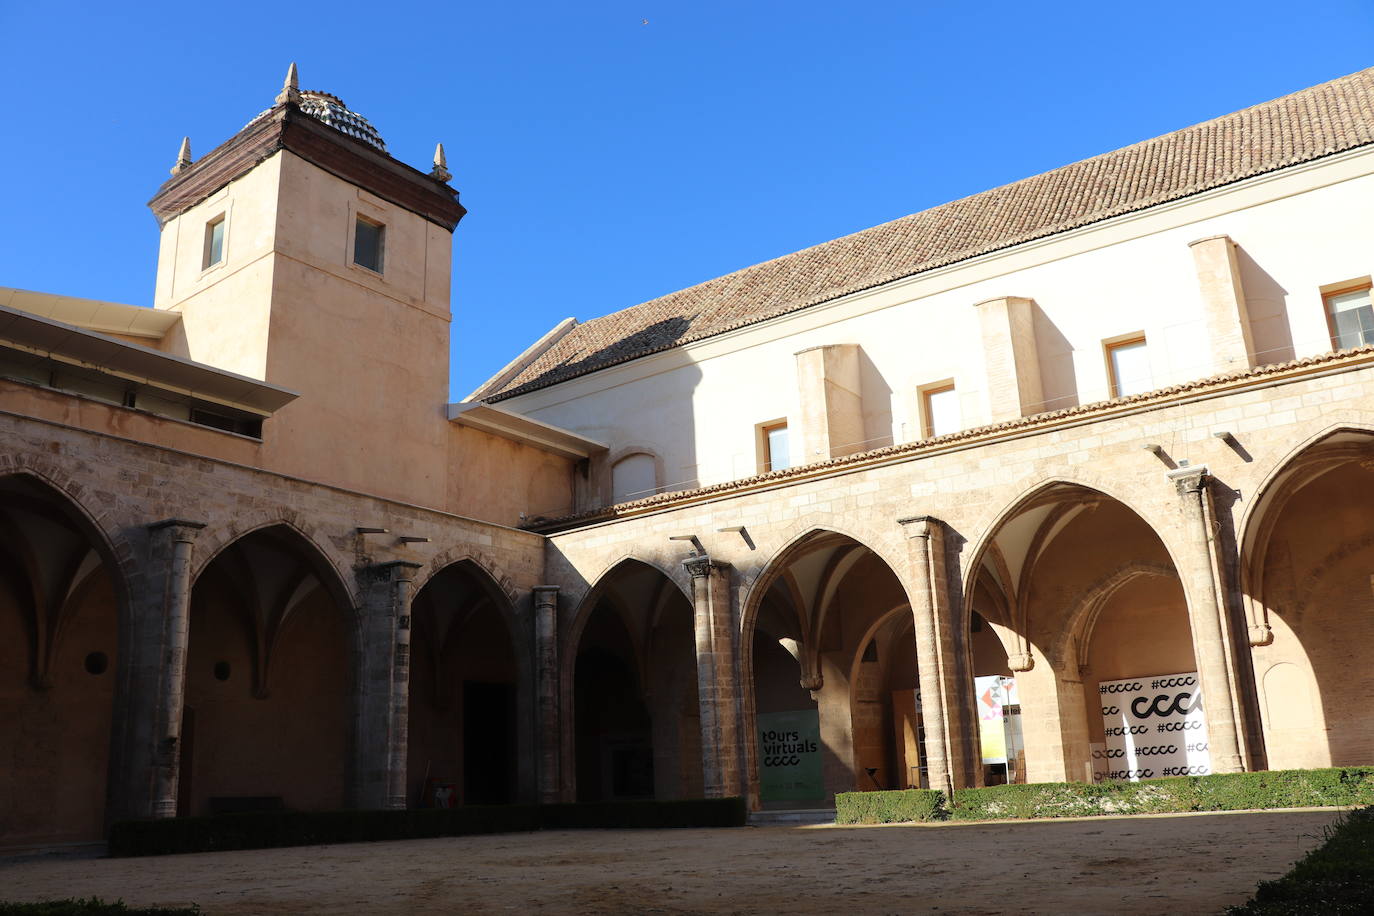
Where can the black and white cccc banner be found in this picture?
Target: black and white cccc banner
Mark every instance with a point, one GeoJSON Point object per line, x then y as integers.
{"type": "Point", "coordinates": [1155, 727]}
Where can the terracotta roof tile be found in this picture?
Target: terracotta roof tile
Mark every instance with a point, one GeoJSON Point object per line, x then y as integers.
{"type": "Point", "coordinates": [1307, 125]}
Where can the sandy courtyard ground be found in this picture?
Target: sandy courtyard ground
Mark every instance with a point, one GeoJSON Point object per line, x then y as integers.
{"type": "Point", "coordinates": [1179, 864]}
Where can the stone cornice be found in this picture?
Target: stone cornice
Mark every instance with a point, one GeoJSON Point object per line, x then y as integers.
{"type": "Point", "coordinates": [286, 127]}
{"type": "Point", "coordinates": [1214, 386]}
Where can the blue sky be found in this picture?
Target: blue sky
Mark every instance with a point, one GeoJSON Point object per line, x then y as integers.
{"type": "Point", "coordinates": [605, 160]}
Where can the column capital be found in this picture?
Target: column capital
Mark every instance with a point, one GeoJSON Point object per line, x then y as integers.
{"type": "Point", "coordinates": [919, 526]}
{"type": "Point", "coordinates": [1021, 661]}
{"type": "Point", "coordinates": [702, 566]}
{"type": "Point", "coordinates": [1190, 479]}
{"type": "Point", "coordinates": [545, 593]}
{"type": "Point", "coordinates": [394, 570]}
{"type": "Point", "coordinates": [180, 529]}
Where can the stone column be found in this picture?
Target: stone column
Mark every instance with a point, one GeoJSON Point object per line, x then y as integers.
{"type": "Point", "coordinates": [1205, 618]}
{"type": "Point", "coordinates": [1011, 358]}
{"type": "Point", "coordinates": [383, 688]}
{"type": "Point", "coordinates": [546, 685]}
{"type": "Point", "coordinates": [718, 689]}
{"type": "Point", "coordinates": [1223, 303]}
{"type": "Point", "coordinates": [171, 543]}
{"type": "Point", "coordinates": [935, 662]}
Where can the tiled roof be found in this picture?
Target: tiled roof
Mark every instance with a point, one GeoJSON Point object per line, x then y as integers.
{"type": "Point", "coordinates": [1306, 125]}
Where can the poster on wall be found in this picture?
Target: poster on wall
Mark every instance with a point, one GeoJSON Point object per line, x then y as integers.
{"type": "Point", "coordinates": [790, 756]}
{"type": "Point", "coordinates": [994, 692]}
{"type": "Point", "coordinates": [1154, 727]}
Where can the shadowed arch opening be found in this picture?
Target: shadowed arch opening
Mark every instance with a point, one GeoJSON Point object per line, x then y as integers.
{"type": "Point", "coordinates": [268, 718]}
{"type": "Point", "coordinates": [469, 731]}
{"type": "Point", "coordinates": [828, 669]}
{"type": "Point", "coordinates": [62, 605]}
{"type": "Point", "coordinates": [630, 692]}
{"type": "Point", "coordinates": [1071, 588]}
{"type": "Point", "coordinates": [1307, 577]}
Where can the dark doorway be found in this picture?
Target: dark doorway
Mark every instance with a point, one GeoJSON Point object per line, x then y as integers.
{"type": "Point", "coordinates": [488, 743]}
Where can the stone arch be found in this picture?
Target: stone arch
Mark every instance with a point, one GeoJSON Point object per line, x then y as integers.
{"type": "Point", "coordinates": [68, 570]}
{"type": "Point", "coordinates": [214, 540]}
{"type": "Point", "coordinates": [753, 590]}
{"type": "Point", "coordinates": [1306, 545]}
{"type": "Point", "coordinates": [252, 601]}
{"type": "Point", "coordinates": [1053, 607]}
{"type": "Point", "coordinates": [479, 561]}
{"type": "Point", "coordinates": [573, 630]}
{"type": "Point", "coordinates": [517, 737]}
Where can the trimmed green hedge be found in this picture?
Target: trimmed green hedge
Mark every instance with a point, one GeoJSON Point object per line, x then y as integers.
{"type": "Point", "coordinates": [1335, 878]}
{"type": "Point", "coordinates": [1217, 792]}
{"type": "Point", "coordinates": [92, 906]}
{"type": "Point", "coordinates": [893, 807]}
{"type": "Point", "coordinates": [270, 829]}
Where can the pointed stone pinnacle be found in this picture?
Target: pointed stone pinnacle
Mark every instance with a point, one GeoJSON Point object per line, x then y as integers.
{"type": "Point", "coordinates": [440, 170]}
{"type": "Point", "coordinates": [183, 157]}
{"type": "Point", "coordinates": [291, 89]}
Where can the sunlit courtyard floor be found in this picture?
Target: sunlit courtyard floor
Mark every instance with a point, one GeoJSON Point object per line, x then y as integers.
{"type": "Point", "coordinates": [1140, 865]}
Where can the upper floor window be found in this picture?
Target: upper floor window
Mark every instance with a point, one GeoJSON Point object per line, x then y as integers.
{"type": "Point", "coordinates": [1351, 317]}
{"type": "Point", "coordinates": [939, 410]}
{"type": "Point", "coordinates": [1128, 361]}
{"type": "Point", "coordinates": [214, 243]}
{"type": "Point", "coordinates": [775, 454]}
{"type": "Point", "coordinates": [369, 242]}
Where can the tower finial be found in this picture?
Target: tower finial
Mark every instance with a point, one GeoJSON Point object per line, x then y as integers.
{"type": "Point", "coordinates": [291, 89]}
{"type": "Point", "coordinates": [183, 157]}
{"type": "Point", "coordinates": [440, 170]}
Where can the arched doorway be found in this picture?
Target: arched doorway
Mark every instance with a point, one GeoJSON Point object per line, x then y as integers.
{"type": "Point", "coordinates": [268, 713]}
{"type": "Point", "coordinates": [60, 611]}
{"type": "Point", "coordinates": [465, 693]}
{"type": "Point", "coordinates": [1072, 592]}
{"type": "Point", "coordinates": [636, 717]}
{"type": "Point", "coordinates": [1308, 578]}
{"type": "Point", "coordinates": [829, 676]}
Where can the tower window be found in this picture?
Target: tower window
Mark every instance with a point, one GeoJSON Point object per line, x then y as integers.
{"type": "Point", "coordinates": [214, 242]}
{"type": "Point", "coordinates": [940, 409]}
{"type": "Point", "coordinates": [369, 239]}
{"type": "Point", "coordinates": [773, 441]}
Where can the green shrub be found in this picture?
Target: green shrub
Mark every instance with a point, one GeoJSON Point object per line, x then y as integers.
{"type": "Point", "coordinates": [893, 807]}
{"type": "Point", "coordinates": [92, 906]}
{"type": "Point", "coordinates": [1217, 792]}
{"type": "Point", "coordinates": [1335, 878]}
{"type": "Point", "coordinates": [270, 829]}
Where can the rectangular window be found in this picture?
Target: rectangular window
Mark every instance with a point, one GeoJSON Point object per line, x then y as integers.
{"type": "Point", "coordinates": [369, 239]}
{"type": "Point", "coordinates": [1351, 317]}
{"type": "Point", "coordinates": [214, 243]}
{"type": "Point", "coordinates": [1128, 361]}
{"type": "Point", "coordinates": [775, 454]}
{"type": "Point", "coordinates": [940, 410]}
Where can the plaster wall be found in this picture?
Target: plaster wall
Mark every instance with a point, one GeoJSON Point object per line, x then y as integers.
{"type": "Point", "coordinates": [1128, 275]}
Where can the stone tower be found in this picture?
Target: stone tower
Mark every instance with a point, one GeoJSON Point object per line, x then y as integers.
{"type": "Point", "coordinates": [301, 253]}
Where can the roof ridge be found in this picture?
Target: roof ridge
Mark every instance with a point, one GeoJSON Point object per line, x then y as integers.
{"type": "Point", "coordinates": [1133, 177]}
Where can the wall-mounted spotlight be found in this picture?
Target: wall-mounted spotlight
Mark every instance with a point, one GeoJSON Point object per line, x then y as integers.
{"type": "Point", "coordinates": [361, 530]}
{"type": "Point", "coordinates": [696, 544]}
{"type": "Point", "coordinates": [740, 530]}
{"type": "Point", "coordinates": [412, 540]}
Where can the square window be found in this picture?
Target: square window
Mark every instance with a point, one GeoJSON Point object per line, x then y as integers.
{"type": "Point", "coordinates": [214, 243]}
{"type": "Point", "coordinates": [940, 410]}
{"type": "Point", "coordinates": [775, 453]}
{"type": "Point", "coordinates": [1351, 316]}
{"type": "Point", "coordinates": [369, 239]}
{"type": "Point", "coordinates": [1128, 362]}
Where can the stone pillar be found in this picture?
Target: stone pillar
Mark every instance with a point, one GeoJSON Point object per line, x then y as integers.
{"type": "Point", "coordinates": [383, 687]}
{"type": "Point", "coordinates": [718, 688]}
{"type": "Point", "coordinates": [829, 392]}
{"type": "Point", "coordinates": [171, 543]}
{"type": "Point", "coordinates": [1223, 303]}
{"type": "Point", "coordinates": [1209, 628]}
{"type": "Point", "coordinates": [1010, 357]}
{"type": "Point", "coordinates": [946, 731]}
{"type": "Point", "coordinates": [546, 684]}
